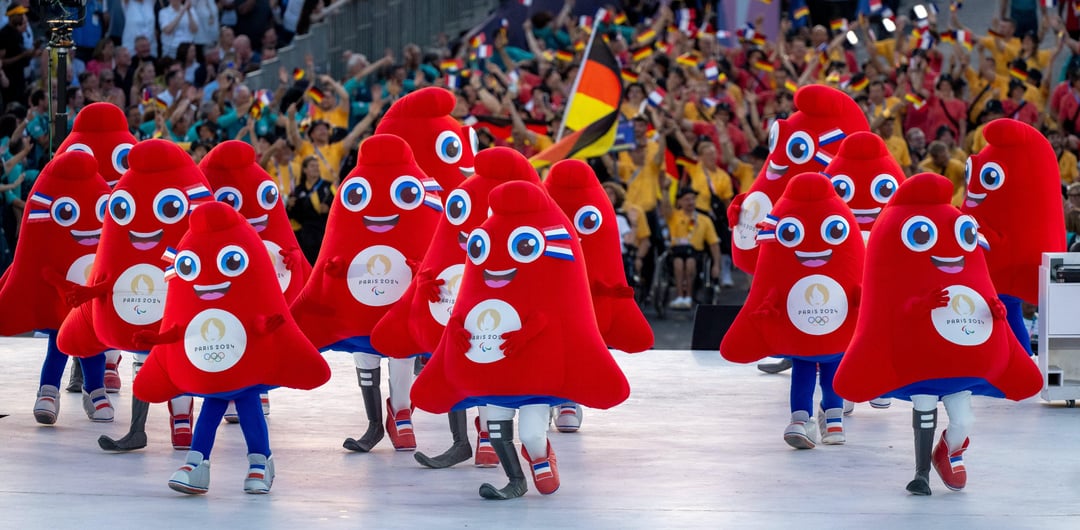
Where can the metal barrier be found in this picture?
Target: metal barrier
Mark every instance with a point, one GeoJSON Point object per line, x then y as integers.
{"type": "Point", "coordinates": [369, 27]}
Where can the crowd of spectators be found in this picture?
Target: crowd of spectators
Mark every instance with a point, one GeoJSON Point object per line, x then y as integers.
{"type": "Point", "coordinates": [699, 101]}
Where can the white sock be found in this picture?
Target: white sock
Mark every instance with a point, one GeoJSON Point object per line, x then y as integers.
{"type": "Point", "coordinates": [961, 418]}
{"type": "Point", "coordinates": [532, 429]}
{"type": "Point", "coordinates": [181, 405]}
{"type": "Point", "coordinates": [401, 379]}
{"type": "Point", "coordinates": [112, 356]}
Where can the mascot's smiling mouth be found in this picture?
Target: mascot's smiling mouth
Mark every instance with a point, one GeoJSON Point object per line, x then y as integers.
{"type": "Point", "coordinates": [974, 199]}
{"type": "Point", "coordinates": [814, 259]}
{"type": "Point", "coordinates": [260, 222]}
{"type": "Point", "coordinates": [949, 265]}
{"type": "Point", "coordinates": [86, 237]}
{"type": "Point", "coordinates": [496, 279]}
{"type": "Point", "coordinates": [145, 240]}
{"type": "Point", "coordinates": [774, 172]}
{"type": "Point", "coordinates": [212, 292]}
{"type": "Point", "coordinates": [463, 240]}
{"type": "Point", "coordinates": [381, 224]}
{"type": "Point", "coordinates": [866, 216]}
{"type": "Point", "coordinates": [467, 171]}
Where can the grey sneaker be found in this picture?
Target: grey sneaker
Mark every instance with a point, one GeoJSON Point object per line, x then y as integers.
{"type": "Point", "coordinates": [796, 434]}
{"type": "Point", "coordinates": [47, 406]}
{"type": "Point", "coordinates": [849, 407]}
{"type": "Point", "coordinates": [831, 425]}
{"type": "Point", "coordinates": [97, 405]}
{"type": "Point", "coordinates": [881, 403]}
{"type": "Point", "coordinates": [193, 477]}
{"type": "Point", "coordinates": [260, 474]}
{"type": "Point", "coordinates": [230, 413]}
{"type": "Point", "coordinates": [568, 417]}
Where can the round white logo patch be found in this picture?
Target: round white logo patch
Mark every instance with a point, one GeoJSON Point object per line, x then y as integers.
{"type": "Point", "coordinates": [79, 271]}
{"type": "Point", "coordinates": [284, 275]}
{"type": "Point", "coordinates": [967, 320]}
{"type": "Point", "coordinates": [215, 340]}
{"type": "Point", "coordinates": [378, 276]}
{"type": "Point", "coordinates": [486, 322]}
{"type": "Point", "coordinates": [440, 310]}
{"type": "Point", "coordinates": [139, 294]}
{"type": "Point", "coordinates": [754, 209]}
{"type": "Point", "coordinates": [817, 305]}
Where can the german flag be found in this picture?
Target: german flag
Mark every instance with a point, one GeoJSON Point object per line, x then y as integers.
{"type": "Point", "coordinates": [687, 59]}
{"type": "Point", "coordinates": [641, 54]}
{"type": "Point", "coordinates": [860, 83]}
{"type": "Point", "coordinates": [764, 66]}
{"type": "Point", "coordinates": [646, 36]}
{"type": "Point", "coordinates": [592, 112]}
{"type": "Point", "coordinates": [620, 19]}
{"type": "Point", "coordinates": [1018, 73]}
{"type": "Point", "coordinates": [948, 37]}
{"type": "Point", "coordinates": [298, 74]}
{"type": "Point", "coordinates": [579, 46]}
{"type": "Point", "coordinates": [801, 13]}
{"type": "Point", "coordinates": [685, 161]}
{"type": "Point", "coordinates": [915, 100]}
{"type": "Point", "coordinates": [448, 65]}
{"type": "Point", "coordinates": [500, 127]}
{"type": "Point", "coordinates": [160, 103]}
{"type": "Point", "coordinates": [628, 75]}
{"type": "Point", "coordinates": [839, 24]}
{"type": "Point", "coordinates": [790, 86]}
{"type": "Point", "coordinates": [315, 94]}
{"type": "Point", "coordinates": [564, 56]}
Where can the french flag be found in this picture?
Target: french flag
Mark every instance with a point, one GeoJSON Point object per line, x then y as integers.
{"type": "Point", "coordinates": [542, 470]}
{"type": "Point", "coordinates": [832, 136]}
{"type": "Point", "coordinates": [41, 198]}
{"type": "Point", "coordinates": [432, 201]}
{"type": "Point", "coordinates": [169, 256]}
{"type": "Point", "coordinates": [198, 193]}
{"type": "Point", "coordinates": [556, 233]}
{"type": "Point", "coordinates": [712, 71]}
{"type": "Point", "coordinates": [559, 250]}
{"type": "Point", "coordinates": [656, 97]}
{"type": "Point", "coordinates": [38, 215]}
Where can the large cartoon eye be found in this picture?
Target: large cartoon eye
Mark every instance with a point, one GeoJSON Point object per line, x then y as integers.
{"type": "Point", "coordinates": [883, 187]}
{"type": "Point", "coordinates": [526, 244]}
{"type": "Point", "coordinates": [479, 246]}
{"type": "Point", "coordinates": [231, 196]}
{"type": "Point", "coordinates": [458, 205]}
{"type": "Point", "coordinates": [774, 136]}
{"type": "Point", "coordinates": [844, 187]}
{"type": "Point", "coordinates": [474, 141]}
{"type": "Point", "coordinates": [101, 208]}
{"type": "Point", "coordinates": [448, 147]}
{"type": "Point", "coordinates": [967, 171]}
{"type": "Point", "coordinates": [355, 194]}
{"type": "Point", "coordinates": [790, 232]}
{"type": "Point", "coordinates": [122, 207]}
{"type": "Point", "coordinates": [268, 195]}
{"type": "Point", "coordinates": [186, 265]}
{"type": "Point", "coordinates": [407, 192]}
{"type": "Point", "coordinates": [967, 233]}
{"type": "Point", "coordinates": [65, 211]}
{"type": "Point", "coordinates": [991, 176]}
{"type": "Point", "coordinates": [919, 233]}
{"type": "Point", "coordinates": [120, 158]}
{"type": "Point", "coordinates": [800, 148]}
{"type": "Point", "coordinates": [835, 229]}
{"type": "Point", "coordinates": [232, 261]}
{"type": "Point", "coordinates": [170, 206]}
{"type": "Point", "coordinates": [80, 147]}
{"type": "Point", "coordinates": [587, 220]}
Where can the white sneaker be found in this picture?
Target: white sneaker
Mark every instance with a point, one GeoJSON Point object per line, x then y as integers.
{"type": "Point", "coordinates": [260, 474]}
{"type": "Point", "coordinates": [796, 434]}
{"type": "Point", "coordinates": [881, 403]}
{"type": "Point", "coordinates": [849, 407]}
{"type": "Point", "coordinates": [676, 303]}
{"type": "Point", "coordinates": [230, 413]}
{"type": "Point", "coordinates": [47, 406]}
{"type": "Point", "coordinates": [831, 425]}
{"type": "Point", "coordinates": [193, 477]}
{"type": "Point", "coordinates": [568, 417]}
{"type": "Point", "coordinates": [97, 405]}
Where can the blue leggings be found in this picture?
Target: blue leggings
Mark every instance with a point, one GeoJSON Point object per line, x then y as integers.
{"type": "Point", "coordinates": [803, 376]}
{"type": "Point", "coordinates": [52, 370]}
{"type": "Point", "coordinates": [1014, 314]}
{"type": "Point", "coordinates": [252, 423]}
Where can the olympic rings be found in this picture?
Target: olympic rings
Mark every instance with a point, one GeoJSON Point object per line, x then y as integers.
{"type": "Point", "coordinates": [817, 321]}
{"type": "Point", "coordinates": [214, 356]}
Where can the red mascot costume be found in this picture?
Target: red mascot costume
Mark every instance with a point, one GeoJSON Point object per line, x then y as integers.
{"type": "Point", "coordinates": [442, 146]}
{"type": "Point", "coordinates": [865, 175]}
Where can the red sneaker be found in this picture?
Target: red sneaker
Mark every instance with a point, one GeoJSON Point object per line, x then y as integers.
{"type": "Point", "coordinates": [112, 377]}
{"type": "Point", "coordinates": [485, 454]}
{"type": "Point", "coordinates": [399, 427]}
{"type": "Point", "coordinates": [950, 466]}
{"type": "Point", "coordinates": [181, 429]}
{"type": "Point", "coordinates": [545, 471]}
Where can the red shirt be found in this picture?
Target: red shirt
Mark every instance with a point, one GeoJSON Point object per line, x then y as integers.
{"type": "Point", "coordinates": [1070, 105]}
{"type": "Point", "coordinates": [1021, 111]}
{"type": "Point", "coordinates": [1061, 91]}
{"type": "Point", "coordinates": [940, 112]}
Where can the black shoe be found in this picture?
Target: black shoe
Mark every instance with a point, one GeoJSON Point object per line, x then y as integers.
{"type": "Point", "coordinates": [459, 452]}
{"type": "Point", "coordinates": [373, 408]}
{"type": "Point", "coordinates": [775, 368]}
{"type": "Point", "coordinates": [502, 440]}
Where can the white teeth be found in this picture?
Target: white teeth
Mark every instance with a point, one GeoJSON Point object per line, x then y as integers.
{"type": "Point", "coordinates": [976, 196]}
{"type": "Point", "coordinates": [811, 255]}
{"type": "Point", "coordinates": [259, 220]}
{"type": "Point", "coordinates": [868, 211]}
{"type": "Point", "coordinates": [957, 259]}
{"type": "Point", "coordinates": [86, 233]}
{"type": "Point", "coordinates": [147, 235]}
{"type": "Point", "coordinates": [215, 287]}
{"type": "Point", "coordinates": [384, 218]}
{"type": "Point", "coordinates": [777, 169]}
{"type": "Point", "coordinates": [506, 272]}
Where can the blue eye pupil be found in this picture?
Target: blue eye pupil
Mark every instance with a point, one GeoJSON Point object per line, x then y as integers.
{"type": "Point", "coordinates": [842, 189]}
{"type": "Point", "coordinates": [789, 232]}
{"type": "Point", "coordinates": [589, 221]}
{"type": "Point", "coordinates": [990, 176]}
{"type": "Point", "coordinates": [185, 266]}
{"type": "Point", "coordinates": [526, 245]}
{"type": "Point", "coordinates": [885, 189]}
{"type": "Point", "coordinates": [836, 230]}
{"type": "Point", "coordinates": [476, 248]}
{"type": "Point", "coordinates": [122, 158]}
{"type": "Point", "coordinates": [233, 261]}
{"type": "Point", "coordinates": [170, 206]}
{"type": "Point", "coordinates": [355, 194]}
{"type": "Point", "coordinates": [450, 147]}
{"type": "Point", "coordinates": [120, 209]}
{"type": "Point", "coordinates": [408, 192]}
{"type": "Point", "coordinates": [456, 208]}
{"type": "Point", "coordinates": [920, 233]}
{"type": "Point", "coordinates": [798, 148]}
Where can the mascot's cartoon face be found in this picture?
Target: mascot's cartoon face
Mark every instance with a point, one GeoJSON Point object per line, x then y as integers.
{"type": "Point", "coordinates": [384, 204]}
{"type": "Point", "coordinates": [811, 239]}
{"type": "Point", "coordinates": [75, 206]}
{"type": "Point", "coordinates": [254, 198]}
{"type": "Point", "coordinates": [945, 239]}
{"type": "Point", "coordinates": [507, 253]}
{"type": "Point", "coordinates": [211, 274]}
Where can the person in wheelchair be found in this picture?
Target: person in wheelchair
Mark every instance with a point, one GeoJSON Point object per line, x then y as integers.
{"type": "Point", "coordinates": [690, 230]}
{"type": "Point", "coordinates": [634, 231]}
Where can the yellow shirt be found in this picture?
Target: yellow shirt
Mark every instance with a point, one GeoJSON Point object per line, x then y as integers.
{"type": "Point", "coordinates": [329, 157]}
{"type": "Point", "coordinates": [959, 155]}
{"type": "Point", "coordinates": [285, 175]}
{"type": "Point", "coordinates": [744, 175]}
{"type": "Point", "coordinates": [1067, 167]}
{"type": "Point", "coordinates": [694, 229]}
{"type": "Point", "coordinates": [999, 88]}
{"type": "Point", "coordinates": [978, 141]}
{"type": "Point", "coordinates": [635, 214]}
{"type": "Point", "coordinates": [954, 171]}
{"type": "Point", "coordinates": [879, 111]}
{"type": "Point", "coordinates": [629, 110]}
{"type": "Point", "coordinates": [704, 182]}
{"type": "Point", "coordinates": [336, 117]}
{"type": "Point", "coordinates": [1039, 61]}
{"type": "Point", "coordinates": [898, 148]}
{"type": "Point", "coordinates": [1009, 52]}
{"type": "Point", "coordinates": [642, 184]}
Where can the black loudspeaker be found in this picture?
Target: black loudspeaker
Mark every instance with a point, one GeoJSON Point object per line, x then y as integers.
{"type": "Point", "coordinates": [711, 322]}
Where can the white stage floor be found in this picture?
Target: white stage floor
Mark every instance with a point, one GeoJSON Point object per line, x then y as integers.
{"type": "Point", "coordinates": [697, 445]}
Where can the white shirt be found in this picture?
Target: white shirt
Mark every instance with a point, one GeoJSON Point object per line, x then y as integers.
{"type": "Point", "coordinates": [139, 20]}
{"type": "Point", "coordinates": [206, 15]}
{"type": "Point", "coordinates": [182, 33]}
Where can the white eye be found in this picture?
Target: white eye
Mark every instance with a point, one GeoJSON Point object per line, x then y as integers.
{"type": "Point", "coordinates": [80, 147]}
{"type": "Point", "coordinates": [170, 206]}
{"type": "Point", "coordinates": [267, 195]}
{"type": "Point", "coordinates": [65, 211]}
{"type": "Point", "coordinates": [790, 232]}
{"type": "Point", "coordinates": [800, 148]}
{"type": "Point", "coordinates": [967, 233]}
{"type": "Point", "coordinates": [121, 207]}
{"type": "Point", "coordinates": [229, 195]}
{"type": "Point", "coordinates": [883, 187]}
{"type": "Point", "coordinates": [458, 206]}
{"type": "Point", "coordinates": [355, 194]}
{"type": "Point", "coordinates": [232, 261]}
{"type": "Point", "coordinates": [587, 220]}
{"type": "Point", "coordinates": [991, 176]}
{"type": "Point", "coordinates": [474, 141]}
{"type": "Point", "coordinates": [448, 147]}
{"type": "Point", "coordinates": [919, 233]}
{"type": "Point", "coordinates": [967, 171]}
{"type": "Point", "coordinates": [835, 229]}
{"type": "Point", "coordinates": [101, 208]}
{"type": "Point", "coordinates": [479, 246]}
{"type": "Point", "coordinates": [526, 244]}
{"type": "Point", "coordinates": [120, 158]}
{"type": "Point", "coordinates": [187, 265]}
{"type": "Point", "coordinates": [407, 192]}
{"type": "Point", "coordinates": [774, 135]}
{"type": "Point", "coordinates": [844, 187]}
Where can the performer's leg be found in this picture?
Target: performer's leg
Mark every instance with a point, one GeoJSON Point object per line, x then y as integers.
{"type": "Point", "coordinates": [924, 422]}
